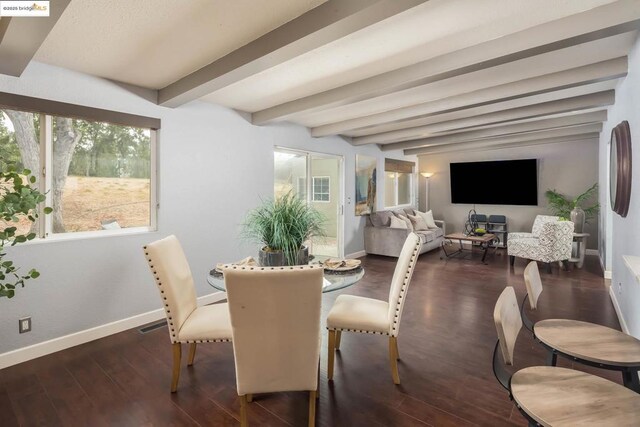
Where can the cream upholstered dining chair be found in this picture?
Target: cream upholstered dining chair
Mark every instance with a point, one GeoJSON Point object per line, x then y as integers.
{"type": "Point", "coordinates": [549, 395]}
{"type": "Point", "coordinates": [275, 322]}
{"type": "Point", "coordinates": [360, 314]}
{"type": "Point", "coordinates": [187, 322]}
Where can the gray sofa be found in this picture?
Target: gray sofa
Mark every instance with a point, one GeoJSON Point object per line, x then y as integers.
{"type": "Point", "coordinates": [380, 239]}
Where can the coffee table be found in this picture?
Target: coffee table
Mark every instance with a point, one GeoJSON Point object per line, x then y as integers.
{"type": "Point", "coordinates": [483, 241]}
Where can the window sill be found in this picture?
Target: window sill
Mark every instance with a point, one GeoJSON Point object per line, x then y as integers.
{"type": "Point", "coordinates": [85, 235]}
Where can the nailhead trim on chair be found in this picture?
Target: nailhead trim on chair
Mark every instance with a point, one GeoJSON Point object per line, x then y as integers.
{"type": "Point", "coordinates": [174, 338]}
{"type": "Point", "coordinates": [358, 330]}
{"type": "Point", "coordinates": [412, 264]}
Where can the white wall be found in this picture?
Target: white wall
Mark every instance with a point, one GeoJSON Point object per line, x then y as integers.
{"type": "Point", "coordinates": [570, 168]}
{"type": "Point", "coordinates": [213, 167]}
{"type": "Point", "coordinates": [626, 231]}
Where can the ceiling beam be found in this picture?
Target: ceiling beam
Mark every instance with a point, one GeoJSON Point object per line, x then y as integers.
{"type": "Point", "coordinates": [601, 22]}
{"type": "Point", "coordinates": [475, 146]}
{"type": "Point", "coordinates": [587, 74]}
{"type": "Point", "coordinates": [569, 131]}
{"type": "Point", "coordinates": [20, 38]}
{"type": "Point", "coordinates": [531, 126]}
{"type": "Point", "coordinates": [463, 113]}
{"type": "Point", "coordinates": [320, 26]}
{"type": "Point", "coordinates": [576, 103]}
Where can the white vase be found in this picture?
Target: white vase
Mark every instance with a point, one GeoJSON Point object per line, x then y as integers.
{"type": "Point", "coordinates": [578, 219]}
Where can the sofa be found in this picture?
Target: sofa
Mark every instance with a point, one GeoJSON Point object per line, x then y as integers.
{"type": "Point", "coordinates": [381, 239]}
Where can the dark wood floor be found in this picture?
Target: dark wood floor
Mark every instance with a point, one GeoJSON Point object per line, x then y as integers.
{"type": "Point", "coordinates": [446, 341]}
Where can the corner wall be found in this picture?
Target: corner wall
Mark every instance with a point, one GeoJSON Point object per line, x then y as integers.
{"type": "Point", "coordinates": [625, 290]}
{"type": "Point", "coordinates": [213, 167]}
{"type": "Point", "coordinates": [570, 168]}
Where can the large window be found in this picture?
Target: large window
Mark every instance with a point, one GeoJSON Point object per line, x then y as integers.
{"type": "Point", "coordinates": [97, 176]}
{"type": "Point", "coordinates": [398, 183]}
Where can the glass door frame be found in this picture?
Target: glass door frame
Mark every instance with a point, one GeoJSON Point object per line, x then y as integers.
{"type": "Point", "coordinates": [341, 188]}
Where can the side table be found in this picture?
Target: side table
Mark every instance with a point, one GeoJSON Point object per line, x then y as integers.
{"type": "Point", "coordinates": [577, 255]}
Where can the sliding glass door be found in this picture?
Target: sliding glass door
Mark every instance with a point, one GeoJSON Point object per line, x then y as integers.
{"type": "Point", "coordinates": [318, 179]}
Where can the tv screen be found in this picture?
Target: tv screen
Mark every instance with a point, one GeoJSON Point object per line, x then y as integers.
{"type": "Point", "coordinates": [504, 182]}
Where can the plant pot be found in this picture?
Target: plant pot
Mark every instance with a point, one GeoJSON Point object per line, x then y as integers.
{"type": "Point", "coordinates": [578, 219]}
{"type": "Point", "coordinates": [277, 258]}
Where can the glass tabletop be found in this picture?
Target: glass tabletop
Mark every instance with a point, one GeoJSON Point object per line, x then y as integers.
{"type": "Point", "coordinates": [333, 280]}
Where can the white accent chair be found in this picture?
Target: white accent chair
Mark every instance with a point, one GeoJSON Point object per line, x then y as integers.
{"type": "Point", "coordinates": [275, 320]}
{"type": "Point", "coordinates": [187, 323]}
{"type": "Point", "coordinates": [550, 241]}
{"type": "Point", "coordinates": [359, 314]}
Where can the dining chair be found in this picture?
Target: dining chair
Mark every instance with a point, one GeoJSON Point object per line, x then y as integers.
{"type": "Point", "coordinates": [352, 313]}
{"type": "Point", "coordinates": [275, 324]}
{"type": "Point", "coordinates": [549, 395]}
{"type": "Point", "coordinates": [187, 323]}
{"type": "Point", "coordinates": [533, 283]}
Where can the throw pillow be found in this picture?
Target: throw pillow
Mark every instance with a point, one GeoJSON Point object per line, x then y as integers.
{"type": "Point", "coordinates": [428, 218]}
{"type": "Point", "coordinates": [418, 223]}
{"type": "Point", "coordinates": [397, 223]}
{"type": "Point", "coordinates": [406, 221]}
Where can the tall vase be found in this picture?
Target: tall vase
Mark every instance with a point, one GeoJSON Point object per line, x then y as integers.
{"type": "Point", "coordinates": [578, 218]}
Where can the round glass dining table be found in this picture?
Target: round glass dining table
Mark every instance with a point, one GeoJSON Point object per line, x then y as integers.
{"type": "Point", "coordinates": [333, 280]}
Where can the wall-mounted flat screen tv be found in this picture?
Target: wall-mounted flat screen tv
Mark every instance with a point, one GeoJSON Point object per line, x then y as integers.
{"type": "Point", "coordinates": [504, 182]}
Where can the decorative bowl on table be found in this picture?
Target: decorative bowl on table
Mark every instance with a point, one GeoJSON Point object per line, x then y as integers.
{"type": "Point", "coordinates": [479, 231]}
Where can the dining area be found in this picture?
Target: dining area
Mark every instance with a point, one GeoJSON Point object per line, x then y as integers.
{"type": "Point", "coordinates": [273, 317]}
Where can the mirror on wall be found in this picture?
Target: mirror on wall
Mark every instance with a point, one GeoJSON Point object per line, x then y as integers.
{"type": "Point", "coordinates": [620, 168]}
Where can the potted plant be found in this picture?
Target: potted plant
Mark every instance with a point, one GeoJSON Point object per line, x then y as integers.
{"type": "Point", "coordinates": [18, 203]}
{"type": "Point", "coordinates": [573, 209]}
{"type": "Point", "coordinates": [282, 225]}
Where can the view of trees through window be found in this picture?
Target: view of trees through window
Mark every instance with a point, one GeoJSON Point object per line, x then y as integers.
{"type": "Point", "coordinates": [100, 172]}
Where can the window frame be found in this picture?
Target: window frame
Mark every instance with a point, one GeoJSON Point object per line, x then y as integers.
{"type": "Point", "coordinates": [313, 189]}
{"type": "Point", "coordinates": [45, 231]}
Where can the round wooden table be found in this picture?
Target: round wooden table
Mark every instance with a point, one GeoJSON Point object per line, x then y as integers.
{"type": "Point", "coordinates": [555, 396]}
{"type": "Point", "coordinates": [592, 344]}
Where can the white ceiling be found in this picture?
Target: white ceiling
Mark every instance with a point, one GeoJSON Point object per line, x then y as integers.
{"type": "Point", "coordinates": [152, 43]}
{"type": "Point", "coordinates": [398, 73]}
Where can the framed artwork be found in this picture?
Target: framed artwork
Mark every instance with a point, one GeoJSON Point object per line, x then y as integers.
{"type": "Point", "coordinates": [365, 184]}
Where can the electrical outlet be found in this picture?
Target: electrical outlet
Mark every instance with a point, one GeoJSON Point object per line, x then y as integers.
{"type": "Point", "coordinates": [24, 324]}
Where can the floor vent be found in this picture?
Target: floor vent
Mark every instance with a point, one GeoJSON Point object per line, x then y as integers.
{"type": "Point", "coordinates": [152, 327]}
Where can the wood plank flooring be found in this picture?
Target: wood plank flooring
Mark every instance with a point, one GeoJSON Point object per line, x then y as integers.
{"type": "Point", "coordinates": [446, 342]}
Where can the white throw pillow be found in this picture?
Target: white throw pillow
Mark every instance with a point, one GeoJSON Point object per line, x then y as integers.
{"type": "Point", "coordinates": [418, 222]}
{"type": "Point", "coordinates": [428, 218]}
{"type": "Point", "coordinates": [406, 221]}
{"type": "Point", "coordinates": [397, 223]}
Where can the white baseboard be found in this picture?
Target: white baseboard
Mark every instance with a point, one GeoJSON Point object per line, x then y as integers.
{"type": "Point", "coordinates": [592, 252]}
{"type": "Point", "coordinates": [20, 355]}
{"type": "Point", "coordinates": [607, 273]}
{"type": "Point", "coordinates": [358, 254]}
{"type": "Point", "coordinates": [616, 306]}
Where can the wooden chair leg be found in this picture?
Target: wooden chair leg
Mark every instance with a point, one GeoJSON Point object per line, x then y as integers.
{"type": "Point", "coordinates": [192, 354]}
{"type": "Point", "coordinates": [338, 337]}
{"type": "Point", "coordinates": [249, 398]}
{"type": "Point", "coordinates": [243, 411]}
{"type": "Point", "coordinates": [396, 348]}
{"type": "Point", "coordinates": [312, 408]}
{"type": "Point", "coordinates": [393, 359]}
{"type": "Point", "coordinates": [331, 348]}
{"type": "Point", "coordinates": [177, 355]}
{"type": "Point", "coordinates": [512, 259]}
